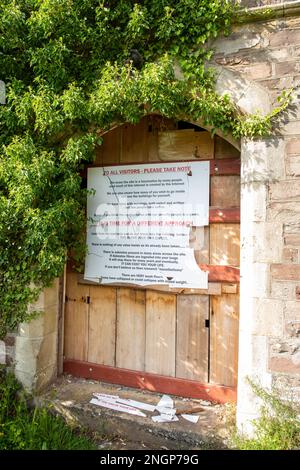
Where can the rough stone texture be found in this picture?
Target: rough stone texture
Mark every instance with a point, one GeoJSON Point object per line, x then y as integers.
{"type": "Point", "coordinates": [35, 358]}
{"type": "Point", "coordinates": [256, 63]}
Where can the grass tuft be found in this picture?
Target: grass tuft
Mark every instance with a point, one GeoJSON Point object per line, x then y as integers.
{"type": "Point", "coordinates": [37, 429]}
{"type": "Point", "coordinates": [277, 428]}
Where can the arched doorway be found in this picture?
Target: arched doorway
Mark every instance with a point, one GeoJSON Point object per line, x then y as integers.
{"type": "Point", "coordinates": [182, 341]}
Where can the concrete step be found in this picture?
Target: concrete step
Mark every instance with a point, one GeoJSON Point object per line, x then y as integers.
{"type": "Point", "coordinates": [71, 397]}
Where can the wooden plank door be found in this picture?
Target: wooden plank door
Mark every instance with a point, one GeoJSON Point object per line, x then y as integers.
{"type": "Point", "coordinates": [184, 334]}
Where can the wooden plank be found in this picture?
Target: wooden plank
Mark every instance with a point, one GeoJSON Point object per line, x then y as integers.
{"type": "Point", "coordinates": [135, 142]}
{"type": "Point", "coordinates": [131, 323]}
{"type": "Point", "coordinates": [225, 167]}
{"type": "Point", "coordinates": [76, 319]}
{"type": "Point", "coordinates": [224, 322]}
{"type": "Point", "coordinates": [192, 337]}
{"type": "Point", "coordinates": [230, 288]}
{"type": "Point", "coordinates": [185, 144]}
{"type": "Point", "coordinates": [223, 216]}
{"type": "Point", "coordinates": [61, 321]}
{"type": "Point", "coordinates": [224, 149]}
{"type": "Point", "coordinates": [102, 325]}
{"type": "Point", "coordinates": [160, 333]}
{"type": "Point", "coordinates": [151, 382]}
{"type": "Point", "coordinates": [221, 273]}
{"type": "Point", "coordinates": [214, 288]}
{"type": "Point", "coordinates": [109, 152]}
{"type": "Point", "coordinates": [225, 191]}
{"type": "Point", "coordinates": [225, 244]}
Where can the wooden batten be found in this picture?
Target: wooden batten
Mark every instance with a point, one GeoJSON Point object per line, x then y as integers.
{"type": "Point", "coordinates": [152, 382]}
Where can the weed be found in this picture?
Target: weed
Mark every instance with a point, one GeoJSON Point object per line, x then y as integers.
{"type": "Point", "coordinates": [22, 428]}
{"type": "Point", "coordinates": [277, 428]}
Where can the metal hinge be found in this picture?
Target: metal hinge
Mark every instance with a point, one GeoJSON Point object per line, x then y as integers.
{"type": "Point", "coordinates": [85, 299]}
{"type": "Point", "coordinates": [207, 325]}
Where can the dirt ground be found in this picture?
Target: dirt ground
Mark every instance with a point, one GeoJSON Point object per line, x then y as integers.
{"type": "Point", "coordinates": [70, 397]}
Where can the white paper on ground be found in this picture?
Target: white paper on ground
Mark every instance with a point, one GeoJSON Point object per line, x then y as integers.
{"type": "Point", "coordinates": [164, 418]}
{"type": "Point", "coordinates": [105, 395]}
{"type": "Point", "coordinates": [166, 411]}
{"type": "Point", "coordinates": [117, 407]}
{"type": "Point", "coordinates": [108, 399]}
{"type": "Point", "coordinates": [165, 402]}
{"type": "Point", "coordinates": [191, 418]}
{"type": "Point", "coordinates": [136, 404]}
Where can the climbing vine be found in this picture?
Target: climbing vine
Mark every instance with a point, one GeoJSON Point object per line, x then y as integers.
{"type": "Point", "coordinates": [72, 69]}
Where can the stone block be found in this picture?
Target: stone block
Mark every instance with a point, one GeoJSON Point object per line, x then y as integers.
{"type": "Point", "coordinates": [33, 355]}
{"type": "Point", "coordinates": [287, 68]}
{"type": "Point", "coordinates": [262, 160]}
{"type": "Point", "coordinates": [285, 38]}
{"type": "Point", "coordinates": [48, 297]}
{"type": "Point", "coordinates": [255, 277]}
{"type": "Point", "coordinates": [292, 239]}
{"type": "Point", "coordinates": [290, 255]}
{"type": "Point", "coordinates": [285, 356]}
{"type": "Point", "coordinates": [290, 128]}
{"type": "Point", "coordinates": [253, 203]}
{"type": "Point", "coordinates": [292, 318]}
{"type": "Point", "coordinates": [268, 317]}
{"type": "Point", "coordinates": [293, 146]}
{"type": "Point", "coordinates": [266, 242]}
{"type": "Point", "coordinates": [285, 290]}
{"type": "Point", "coordinates": [285, 272]}
{"type": "Point", "coordinates": [41, 326]}
{"type": "Point", "coordinates": [293, 165]}
{"type": "Point", "coordinates": [291, 233]}
{"type": "Point", "coordinates": [44, 377]}
{"type": "Point", "coordinates": [258, 71]}
{"type": "Point", "coordinates": [36, 382]}
{"type": "Point", "coordinates": [285, 191]}
{"type": "Point", "coordinates": [287, 386]}
{"type": "Point", "coordinates": [287, 212]}
{"type": "Point", "coordinates": [248, 96]}
{"type": "Point", "coordinates": [287, 365]}
{"type": "Point", "coordinates": [236, 42]}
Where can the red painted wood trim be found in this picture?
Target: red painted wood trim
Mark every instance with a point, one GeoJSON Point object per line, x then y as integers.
{"type": "Point", "coordinates": [151, 382]}
{"type": "Point", "coordinates": [221, 273]}
{"type": "Point", "coordinates": [225, 216]}
{"type": "Point", "coordinates": [226, 166]}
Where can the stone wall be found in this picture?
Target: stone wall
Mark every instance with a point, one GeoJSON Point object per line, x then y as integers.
{"type": "Point", "coordinates": [266, 53]}
{"type": "Point", "coordinates": [32, 350]}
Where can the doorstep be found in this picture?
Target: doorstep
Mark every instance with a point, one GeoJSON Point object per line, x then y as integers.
{"type": "Point", "coordinates": [70, 396]}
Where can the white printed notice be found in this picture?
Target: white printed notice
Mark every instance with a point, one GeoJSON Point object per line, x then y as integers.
{"type": "Point", "coordinates": [139, 223]}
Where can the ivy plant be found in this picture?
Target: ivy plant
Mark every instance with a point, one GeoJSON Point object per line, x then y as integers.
{"type": "Point", "coordinates": [72, 69]}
